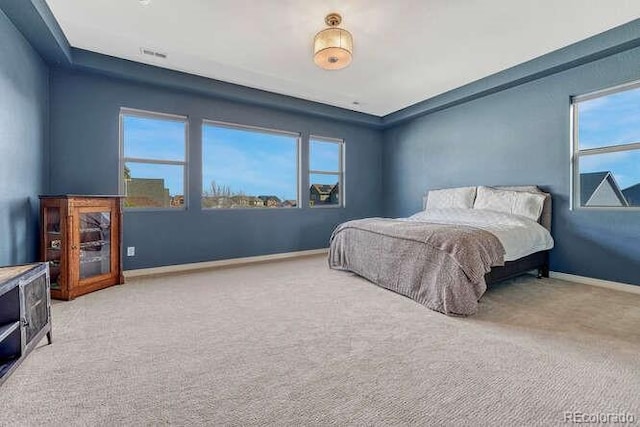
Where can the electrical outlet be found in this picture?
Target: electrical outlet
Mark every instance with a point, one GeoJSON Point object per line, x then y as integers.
{"type": "Point", "coordinates": [131, 251]}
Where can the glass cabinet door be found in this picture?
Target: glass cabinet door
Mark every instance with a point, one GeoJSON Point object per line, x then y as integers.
{"type": "Point", "coordinates": [95, 243]}
{"type": "Point", "coordinates": [53, 243]}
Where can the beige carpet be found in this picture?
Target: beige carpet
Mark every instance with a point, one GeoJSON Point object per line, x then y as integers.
{"type": "Point", "coordinates": [294, 343]}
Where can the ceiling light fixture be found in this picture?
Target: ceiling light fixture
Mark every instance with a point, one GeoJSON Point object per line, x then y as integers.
{"type": "Point", "coordinates": [333, 46]}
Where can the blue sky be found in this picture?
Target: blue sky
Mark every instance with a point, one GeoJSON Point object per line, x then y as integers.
{"type": "Point", "coordinates": [257, 163]}
{"type": "Point", "coordinates": [325, 156]}
{"type": "Point", "coordinates": [250, 162]}
{"type": "Point", "coordinates": [154, 139]}
{"type": "Point", "coordinates": [158, 140]}
{"type": "Point", "coordinates": [607, 121]}
{"type": "Point", "coordinates": [246, 161]}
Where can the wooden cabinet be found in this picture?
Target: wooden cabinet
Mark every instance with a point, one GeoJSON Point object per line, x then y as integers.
{"type": "Point", "coordinates": [80, 240]}
{"type": "Point", "coordinates": [25, 313]}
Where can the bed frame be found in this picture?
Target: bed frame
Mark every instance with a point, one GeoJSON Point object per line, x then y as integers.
{"type": "Point", "coordinates": [537, 261]}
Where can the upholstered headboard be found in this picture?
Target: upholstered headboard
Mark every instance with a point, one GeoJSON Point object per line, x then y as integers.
{"type": "Point", "coordinates": [545, 216]}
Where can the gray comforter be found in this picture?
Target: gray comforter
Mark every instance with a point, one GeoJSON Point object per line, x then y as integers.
{"type": "Point", "coordinates": [439, 266]}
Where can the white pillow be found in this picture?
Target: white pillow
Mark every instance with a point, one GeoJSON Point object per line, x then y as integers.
{"type": "Point", "coordinates": [515, 202]}
{"type": "Point", "coordinates": [461, 197]}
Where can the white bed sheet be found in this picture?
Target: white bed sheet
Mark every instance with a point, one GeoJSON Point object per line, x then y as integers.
{"type": "Point", "coordinates": [520, 236]}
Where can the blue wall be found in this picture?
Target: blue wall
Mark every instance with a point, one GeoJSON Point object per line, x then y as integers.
{"type": "Point", "coordinates": [84, 159]}
{"type": "Point", "coordinates": [23, 129]}
{"type": "Point", "coordinates": [510, 128]}
{"type": "Point", "coordinates": [520, 136]}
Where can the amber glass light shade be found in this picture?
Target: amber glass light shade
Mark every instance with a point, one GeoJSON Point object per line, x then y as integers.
{"type": "Point", "coordinates": [333, 48]}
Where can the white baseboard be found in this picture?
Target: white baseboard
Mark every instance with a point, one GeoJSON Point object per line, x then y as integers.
{"type": "Point", "coordinates": [181, 268]}
{"type": "Point", "coordinates": [624, 287]}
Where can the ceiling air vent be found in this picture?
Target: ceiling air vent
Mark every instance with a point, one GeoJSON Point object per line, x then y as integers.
{"type": "Point", "coordinates": [151, 52]}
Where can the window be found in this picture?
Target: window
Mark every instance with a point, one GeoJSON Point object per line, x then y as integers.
{"type": "Point", "coordinates": [606, 148]}
{"type": "Point", "coordinates": [326, 170]}
{"type": "Point", "coordinates": [246, 167]}
{"type": "Point", "coordinates": [153, 159]}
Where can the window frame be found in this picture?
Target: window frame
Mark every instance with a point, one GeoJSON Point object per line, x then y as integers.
{"type": "Point", "coordinates": [340, 172]}
{"type": "Point", "coordinates": [576, 153]}
{"type": "Point", "coordinates": [255, 129]}
{"type": "Point", "coordinates": [125, 111]}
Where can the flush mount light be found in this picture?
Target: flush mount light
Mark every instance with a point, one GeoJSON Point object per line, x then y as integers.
{"type": "Point", "coordinates": [145, 2]}
{"type": "Point", "coordinates": [333, 46]}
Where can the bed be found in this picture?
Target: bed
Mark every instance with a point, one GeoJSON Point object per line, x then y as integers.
{"type": "Point", "coordinates": [445, 256]}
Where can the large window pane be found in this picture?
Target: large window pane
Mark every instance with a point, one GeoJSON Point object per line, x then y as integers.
{"type": "Point", "coordinates": [152, 138]}
{"type": "Point", "coordinates": [248, 168]}
{"type": "Point", "coordinates": [610, 179]}
{"type": "Point", "coordinates": [609, 120]}
{"type": "Point", "coordinates": [325, 172]}
{"type": "Point", "coordinates": [154, 159]}
{"type": "Point", "coordinates": [154, 185]}
{"type": "Point", "coordinates": [607, 149]}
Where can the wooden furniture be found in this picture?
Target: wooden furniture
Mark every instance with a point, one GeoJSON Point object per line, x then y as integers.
{"type": "Point", "coordinates": [25, 313]}
{"type": "Point", "coordinates": [80, 240]}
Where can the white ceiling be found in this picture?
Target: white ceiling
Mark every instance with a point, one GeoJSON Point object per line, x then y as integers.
{"type": "Point", "coordinates": [405, 51]}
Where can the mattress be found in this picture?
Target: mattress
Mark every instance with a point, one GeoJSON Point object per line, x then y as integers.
{"type": "Point", "coordinates": [520, 236]}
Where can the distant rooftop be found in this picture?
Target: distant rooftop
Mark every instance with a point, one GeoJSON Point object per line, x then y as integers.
{"type": "Point", "coordinates": [591, 182]}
